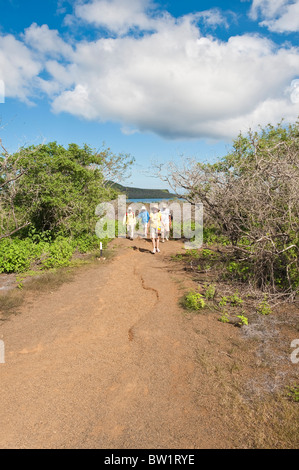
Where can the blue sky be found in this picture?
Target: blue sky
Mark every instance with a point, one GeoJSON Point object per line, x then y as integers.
{"type": "Point", "coordinates": [156, 79]}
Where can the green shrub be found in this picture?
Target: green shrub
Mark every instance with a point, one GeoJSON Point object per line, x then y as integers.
{"type": "Point", "coordinates": [238, 271]}
{"type": "Point", "coordinates": [235, 300]}
{"type": "Point", "coordinates": [293, 393]}
{"type": "Point", "coordinates": [60, 253]}
{"type": "Point", "coordinates": [194, 301]}
{"type": "Point", "coordinates": [210, 291]}
{"type": "Point", "coordinates": [16, 255]}
{"type": "Point", "coordinates": [212, 235]}
{"type": "Point", "coordinates": [209, 254]}
{"type": "Point", "coordinates": [39, 237]}
{"type": "Point", "coordinates": [264, 308]}
{"type": "Point", "coordinates": [194, 254]}
{"type": "Point", "coordinates": [242, 320]}
{"type": "Point", "coordinates": [224, 318]}
{"type": "Point", "coordinates": [178, 256]}
{"type": "Point", "coordinates": [86, 243]}
{"type": "Point", "coordinates": [223, 301]}
{"type": "Point", "coordinates": [57, 189]}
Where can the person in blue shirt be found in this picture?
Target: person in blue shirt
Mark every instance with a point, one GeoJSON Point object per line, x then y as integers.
{"type": "Point", "coordinates": [143, 216]}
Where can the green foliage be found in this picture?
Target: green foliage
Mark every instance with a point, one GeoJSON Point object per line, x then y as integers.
{"type": "Point", "coordinates": [48, 198]}
{"type": "Point", "coordinates": [60, 253]}
{"type": "Point", "coordinates": [38, 237]}
{"type": "Point", "coordinates": [194, 254]}
{"type": "Point", "coordinates": [210, 291]}
{"type": "Point", "coordinates": [208, 254]}
{"type": "Point", "coordinates": [224, 318]}
{"type": "Point", "coordinates": [194, 301]}
{"type": "Point", "coordinates": [242, 320]}
{"type": "Point", "coordinates": [264, 307]}
{"type": "Point", "coordinates": [16, 255]}
{"type": "Point", "coordinates": [293, 393]}
{"type": "Point", "coordinates": [86, 243]}
{"type": "Point", "coordinates": [234, 300]}
{"type": "Point", "coordinates": [59, 189]}
{"type": "Point", "coordinates": [212, 235]}
{"type": "Point", "coordinates": [178, 256]}
{"type": "Point", "coordinates": [238, 270]}
{"type": "Point", "coordinates": [223, 301]}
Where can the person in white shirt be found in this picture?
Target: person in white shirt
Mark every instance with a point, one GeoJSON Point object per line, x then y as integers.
{"type": "Point", "coordinates": [130, 221]}
{"type": "Point", "coordinates": [155, 227]}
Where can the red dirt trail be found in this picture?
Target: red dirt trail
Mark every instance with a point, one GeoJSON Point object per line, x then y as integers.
{"type": "Point", "coordinates": [109, 361]}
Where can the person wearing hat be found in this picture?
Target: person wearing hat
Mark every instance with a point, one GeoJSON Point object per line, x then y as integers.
{"type": "Point", "coordinates": [155, 225]}
{"type": "Point", "coordinates": [130, 221]}
{"type": "Point", "coordinates": [144, 219]}
{"type": "Point", "coordinates": [165, 222]}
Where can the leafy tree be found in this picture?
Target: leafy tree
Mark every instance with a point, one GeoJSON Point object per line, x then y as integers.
{"type": "Point", "coordinates": [54, 189]}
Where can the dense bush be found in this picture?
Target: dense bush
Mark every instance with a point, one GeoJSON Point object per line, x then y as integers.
{"type": "Point", "coordinates": [55, 190]}
{"type": "Point", "coordinates": [59, 254]}
{"type": "Point", "coordinates": [48, 197]}
{"type": "Point", "coordinates": [86, 243]}
{"type": "Point", "coordinates": [17, 255]}
{"type": "Point", "coordinates": [251, 198]}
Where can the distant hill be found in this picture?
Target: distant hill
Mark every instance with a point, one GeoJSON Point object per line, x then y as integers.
{"type": "Point", "coordinates": [140, 193]}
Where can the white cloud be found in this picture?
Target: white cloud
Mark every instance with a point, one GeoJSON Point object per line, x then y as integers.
{"type": "Point", "coordinates": [121, 16]}
{"type": "Point", "coordinates": [46, 41]}
{"type": "Point", "coordinates": [267, 8]}
{"type": "Point", "coordinates": [213, 17]}
{"type": "Point", "coordinates": [279, 15]}
{"type": "Point", "coordinates": [118, 16]}
{"type": "Point", "coordinates": [2, 91]}
{"type": "Point", "coordinates": [178, 84]}
{"type": "Point", "coordinates": [171, 81]}
{"type": "Point", "coordinates": [18, 68]}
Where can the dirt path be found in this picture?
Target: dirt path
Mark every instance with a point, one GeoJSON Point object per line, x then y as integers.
{"type": "Point", "coordinates": [110, 361]}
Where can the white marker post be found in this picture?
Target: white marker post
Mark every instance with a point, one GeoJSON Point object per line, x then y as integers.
{"type": "Point", "coordinates": [101, 248]}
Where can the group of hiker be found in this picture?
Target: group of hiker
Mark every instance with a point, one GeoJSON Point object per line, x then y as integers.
{"type": "Point", "coordinates": [157, 224]}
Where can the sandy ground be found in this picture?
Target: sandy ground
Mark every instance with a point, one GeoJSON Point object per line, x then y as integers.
{"type": "Point", "coordinates": [109, 360]}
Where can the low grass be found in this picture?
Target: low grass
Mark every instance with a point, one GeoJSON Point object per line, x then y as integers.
{"type": "Point", "coordinates": [9, 303]}
{"type": "Point", "coordinates": [252, 380]}
{"type": "Point", "coordinates": [272, 423]}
